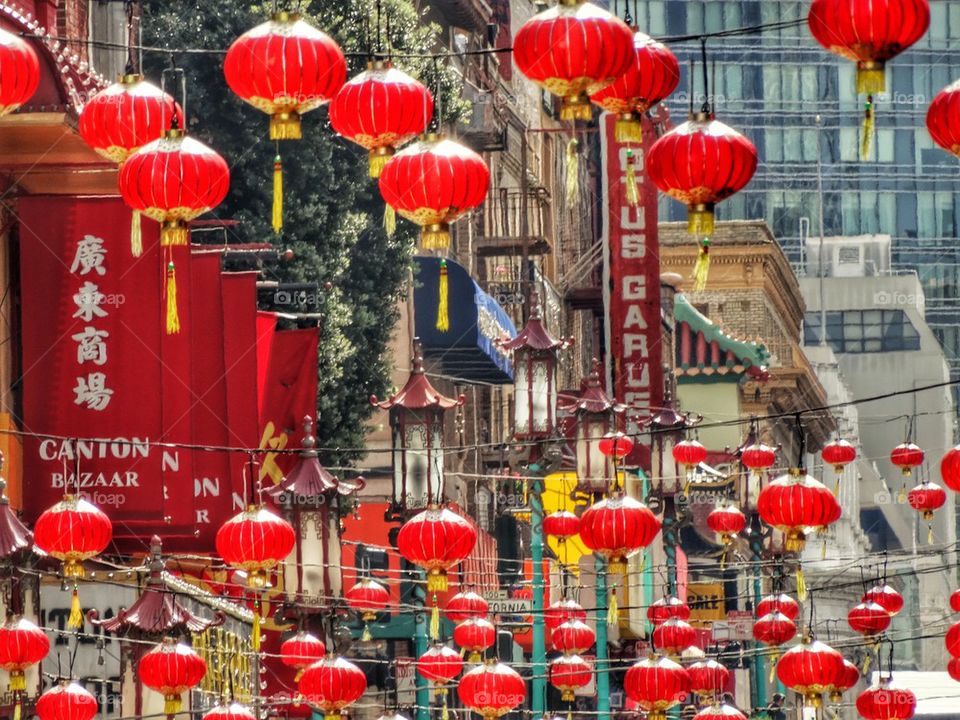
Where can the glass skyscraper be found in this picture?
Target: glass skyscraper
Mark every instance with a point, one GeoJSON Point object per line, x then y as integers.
{"type": "Point", "coordinates": [772, 85]}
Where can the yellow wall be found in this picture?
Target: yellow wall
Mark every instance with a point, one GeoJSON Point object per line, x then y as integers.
{"type": "Point", "coordinates": [717, 402]}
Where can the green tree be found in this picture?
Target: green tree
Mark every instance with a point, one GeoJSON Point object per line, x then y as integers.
{"type": "Point", "coordinates": [332, 210]}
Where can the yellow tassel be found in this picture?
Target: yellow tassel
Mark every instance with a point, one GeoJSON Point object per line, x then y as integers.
{"type": "Point", "coordinates": [773, 668]}
{"type": "Point", "coordinates": [801, 585]}
{"type": "Point", "coordinates": [18, 682]}
{"type": "Point", "coordinates": [366, 636]}
{"type": "Point", "coordinates": [836, 487]}
{"type": "Point", "coordinates": [867, 129]}
{"type": "Point", "coordinates": [173, 315]}
{"type": "Point", "coordinates": [700, 220]}
{"type": "Point", "coordinates": [702, 267]}
{"type": "Point", "coordinates": [437, 582]}
{"type": "Point", "coordinates": [633, 193]}
{"type": "Point", "coordinates": [277, 195]}
{"type": "Point", "coordinates": [435, 621]}
{"type": "Point", "coordinates": [435, 237]}
{"type": "Point", "coordinates": [866, 663]}
{"type": "Point", "coordinates": [255, 632]}
{"type": "Point", "coordinates": [929, 534]}
{"type": "Point", "coordinates": [389, 220]}
{"type": "Point", "coordinates": [871, 81]}
{"type": "Point", "coordinates": [173, 233]}
{"type": "Point", "coordinates": [379, 158]}
{"type": "Point", "coordinates": [75, 621]}
{"type": "Point", "coordinates": [613, 612]}
{"type": "Point", "coordinates": [443, 310]}
{"type": "Point", "coordinates": [444, 714]}
{"type": "Point", "coordinates": [17, 712]}
{"type": "Point", "coordinates": [171, 704]}
{"type": "Point", "coordinates": [902, 495]}
{"type": "Point", "coordinates": [136, 240]}
{"type": "Point", "coordinates": [285, 126]}
{"type": "Point", "coordinates": [628, 129]}
{"type": "Point", "coordinates": [823, 550]}
{"type": "Point", "coordinates": [573, 172]}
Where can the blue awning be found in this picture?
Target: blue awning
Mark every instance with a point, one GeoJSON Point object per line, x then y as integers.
{"type": "Point", "coordinates": [467, 348]}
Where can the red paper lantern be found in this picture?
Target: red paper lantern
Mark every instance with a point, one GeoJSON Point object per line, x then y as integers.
{"type": "Point", "coordinates": [838, 453]}
{"type": "Point", "coordinates": [561, 611]}
{"type": "Point", "coordinates": [381, 109]}
{"type": "Point", "coordinates": [666, 608]}
{"type": "Point", "coordinates": [720, 712]}
{"type": "Point", "coordinates": [727, 521]}
{"type": "Point", "coordinates": [615, 444]}
{"type": "Point", "coordinates": [955, 601]}
{"type": "Point", "coordinates": [616, 527]}
{"type": "Point", "coordinates": [568, 673]}
{"type": "Point", "coordinates": [926, 498]}
{"type": "Point", "coordinates": [953, 669]}
{"type": "Point", "coordinates": [126, 116]}
{"type": "Point", "coordinates": [432, 183]}
{"type": "Point", "coordinates": [708, 678]}
{"type": "Point", "coordinates": [574, 50]}
{"type": "Point", "coordinates": [285, 67]}
{"type": "Point", "coordinates": [868, 619]}
{"type": "Point", "coordinates": [886, 702]}
{"type": "Point", "coordinates": [782, 603]}
{"type": "Point", "coordinates": [66, 701]}
{"type": "Point", "coordinates": [689, 453]}
{"type": "Point", "coordinates": [574, 637]}
{"type": "Point", "coordinates": [171, 669]}
{"type": "Point", "coordinates": [952, 640]}
{"type": "Point", "coordinates": [231, 711]}
{"type": "Point", "coordinates": [72, 531]}
{"type": "Point", "coordinates": [440, 663]}
{"type": "Point", "coordinates": [942, 121]}
{"type": "Point", "coordinates": [656, 684]}
{"type": "Point", "coordinates": [795, 502]}
{"type": "Point", "coordinates": [301, 651]}
{"type": "Point", "coordinates": [849, 679]}
{"type": "Point", "coordinates": [466, 605]}
{"type": "Point", "coordinates": [674, 636]}
{"type": "Point", "coordinates": [650, 78]}
{"type": "Point", "coordinates": [774, 629]}
{"type": "Point", "coordinates": [436, 540]}
{"type": "Point", "coordinates": [492, 690]}
{"type": "Point", "coordinates": [906, 456]}
{"type": "Point", "coordinates": [332, 684]}
{"type": "Point", "coordinates": [758, 457]}
{"type": "Point", "coordinates": [21, 72]}
{"type": "Point", "coordinates": [950, 469]}
{"type": "Point", "coordinates": [255, 541]}
{"type": "Point", "coordinates": [22, 645]}
{"type": "Point", "coordinates": [884, 596]}
{"type": "Point", "coordinates": [811, 669]}
{"type": "Point", "coordinates": [561, 524]}
{"type": "Point", "coordinates": [474, 636]}
{"type": "Point", "coordinates": [367, 597]}
{"type": "Point", "coordinates": [700, 163]}
{"type": "Point", "coordinates": [869, 32]}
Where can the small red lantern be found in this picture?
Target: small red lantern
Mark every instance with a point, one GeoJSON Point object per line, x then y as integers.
{"type": "Point", "coordinates": [285, 67]}
{"type": "Point", "coordinates": [492, 690]}
{"type": "Point", "coordinates": [758, 457]}
{"type": "Point", "coordinates": [953, 669]}
{"type": "Point", "coordinates": [650, 78]}
{"type": "Point", "coordinates": [574, 637]}
{"type": "Point", "coordinates": [906, 456]}
{"type": "Point", "coordinates": [795, 502]}
{"type": "Point", "coordinates": [950, 469]}
{"type": "Point", "coordinates": [432, 183]}
{"type": "Point", "coordinates": [21, 72]}
{"type": "Point", "coordinates": [568, 673]}
{"type": "Point", "coordinates": [666, 608]}
{"type": "Point", "coordinates": [774, 629]}
{"type": "Point", "coordinates": [616, 444]}
{"type": "Point", "coordinates": [465, 605]}
{"type": "Point", "coordinates": [561, 524]}
{"type": "Point", "coordinates": [574, 50]}
{"type": "Point", "coordinates": [838, 453]}
{"type": "Point", "coordinates": [941, 119]}
{"type": "Point", "coordinates": [727, 521]}
{"type": "Point", "coordinates": [440, 663]}
{"type": "Point", "coordinates": [232, 711]}
{"type": "Point", "coordinates": [952, 640]}
{"type": "Point", "coordinates": [368, 597]}
{"type": "Point", "coordinates": [301, 651]}
{"type": "Point", "coordinates": [656, 685]}
{"type": "Point", "coordinates": [474, 636]}
{"type": "Point", "coordinates": [689, 454]}
{"type": "Point", "coordinates": [171, 669]}
{"type": "Point", "coordinates": [811, 669]}
{"type": "Point", "coordinates": [868, 619]}
{"type": "Point", "coordinates": [67, 701]}
{"type": "Point", "coordinates": [926, 498]}
{"type": "Point", "coordinates": [955, 601]}
{"type": "Point", "coordinates": [332, 684]}
{"type": "Point", "coordinates": [886, 702]}
{"type": "Point", "coordinates": [255, 541]}
{"type": "Point", "coordinates": [674, 636]}
{"type": "Point", "coordinates": [616, 527]}
{"type": "Point", "coordinates": [708, 678]}
{"type": "Point", "coordinates": [720, 712]}
{"type": "Point", "coordinates": [381, 109]}
{"type": "Point", "coordinates": [850, 678]}
{"type": "Point", "coordinates": [886, 597]}
{"type": "Point", "coordinates": [436, 540]}
{"type": "Point", "coordinates": [22, 645]}
{"type": "Point", "coordinates": [782, 603]}
{"type": "Point", "coordinates": [72, 531]}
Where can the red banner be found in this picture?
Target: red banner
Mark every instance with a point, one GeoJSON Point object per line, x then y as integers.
{"type": "Point", "coordinates": [632, 282]}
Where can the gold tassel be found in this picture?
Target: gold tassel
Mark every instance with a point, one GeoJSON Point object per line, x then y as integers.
{"type": "Point", "coordinates": [173, 315]}
{"type": "Point", "coordinates": [435, 621]}
{"type": "Point", "coordinates": [866, 663]}
{"type": "Point", "coordinates": [444, 713]}
{"type": "Point", "coordinates": [929, 534]}
{"type": "Point", "coordinates": [613, 612]}
{"type": "Point", "coordinates": [171, 704]}
{"type": "Point", "coordinates": [173, 233]}
{"type": "Point", "coordinates": [773, 667]}
{"type": "Point", "coordinates": [823, 550]}
{"type": "Point", "coordinates": [633, 193]}
{"type": "Point", "coordinates": [366, 636]}
{"type": "Point", "coordinates": [18, 681]}
{"type": "Point", "coordinates": [277, 195]}
{"type": "Point", "coordinates": [867, 129]}
{"type": "Point", "coordinates": [836, 487]}
{"type": "Point", "coordinates": [801, 585]}
{"type": "Point", "coordinates": [702, 267]}
{"type": "Point", "coordinates": [136, 240]}
{"type": "Point", "coordinates": [379, 157]}
{"type": "Point", "coordinates": [902, 495]}
{"type": "Point", "coordinates": [17, 712]}
{"type": "Point", "coordinates": [573, 172]}
{"type": "Point", "coordinates": [628, 129]}
{"type": "Point", "coordinates": [389, 220]}
{"type": "Point", "coordinates": [435, 237]}
{"type": "Point", "coordinates": [871, 80]}
{"type": "Point", "coordinates": [285, 126]}
{"type": "Point", "coordinates": [443, 310]}
{"type": "Point", "coordinates": [75, 621]}
{"type": "Point", "coordinates": [255, 632]}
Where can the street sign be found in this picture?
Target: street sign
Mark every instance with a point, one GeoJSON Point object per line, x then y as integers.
{"type": "Point", "coordinates": [741, 624]}
{"type": "Point", "coordinates": [500, 604]}
{"type": "Point", "coordinates": [406, 668]}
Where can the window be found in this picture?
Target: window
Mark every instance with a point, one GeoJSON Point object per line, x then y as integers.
{"type": "Point", "coordinates": [863, 331]}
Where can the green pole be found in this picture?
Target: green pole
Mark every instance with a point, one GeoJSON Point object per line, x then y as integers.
{"type": "Point", "coordinates": [421, 645]}
{"type": "Point", "coordinates": [538, 703]}
{"type": "Point", "coordinates": [759, 667]}
{"type": "Point", "coordinates": [600, 615]}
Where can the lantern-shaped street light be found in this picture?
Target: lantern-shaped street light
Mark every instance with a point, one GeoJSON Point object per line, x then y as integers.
{"type": "Point", "coordinates": [416, 424]}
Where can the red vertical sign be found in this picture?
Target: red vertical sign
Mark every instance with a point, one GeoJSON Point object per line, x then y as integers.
{"type": "Point", "coordinates": [632, 282]}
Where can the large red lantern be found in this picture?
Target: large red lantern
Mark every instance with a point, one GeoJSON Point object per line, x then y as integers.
{"type": "Point", "coordinates": [465, 605]}
{"type": "Point", "coordinates": [285, 67]}
{"type": "Point", "coordinates": [22, 645]}
{"type": "Point", "coordinates": [616, 527]}
{"type": "Point", "coordinates": [950, 469]}
{"type": "Point", "coordinates": [758, 457]}
{"type": "Point", "coordinates": [21, 72]}
{"type": "Point", "coordinates": [474, 636]}
{"type": "Point", "coordinates": [656, 685]}
{"type": "Point", "coordinates": [943, 126]}
{"type": "Point", "coordinates": [689, 453]}
{"type": "Point", "coordinates": [955, 601]}
{"type": "Point", "coordinates": [232, 711]}
{"type": "Point", "coordinates": [953, 669]}
{"type": "Point", "coordinates": [674, 636]}
{"type": "Point", "coordinates": [332, 684]}
{"type": "Point", "coordinates": [72, 531]}
{"type": "Point", "coordinates": [720, 712]}
{"type": "Point", "coordinates": [795, 502]}
{"type": "Point", "coordinates": [368, 597]}
{"type": "Point", "coordinates": [440, 663]}
{"type": "Point", "coordinates": [811, 669]}
{"type": "Point", "coordinates": [574, 637]}
{"type": "Point", "coordinates": [907, 456]}
{"type": "Point", "coordinates": [926, 498]}
{"type": "Point", "coordinates": [66, 701]}
{"type": "Point", "coordinates": [774, 629]}
{"type": "Point", "coordinates": [782, 603]}
{"type": "Point", "coordinates": [381, 109]}
{"type": "Point", "coordinates": [667, 607]}
{"type": "Point", "coordinates": [492, 689]}
{"type": "Point", "coordinates": [432, 183]}
{"type": "Point", "coordinates": [952, 640]}
{"type": "Point", "coordinates": [884, 596]}
{"type": "Point", "coordinates": [561, 611]}
{"type": "Point", "coordinates": [727, 521]}
{"type": "Point", "coordinates": [850, 678]}
{"type": "Point", "coordinates": [436, 540]}
{"type": "Point", "coordinates": [561, 524]}
{"type": "Point", "coordinates": [708, 678]}
{"type": "Point", "coordinates": [650, 78]}
{"type": "Point", "coordinates": [868, 619]}
{"type": "Point", "coordinates": [574, 50]}
{"type": "Point", "coordinates": [838, 453]}
{"type": "Point", "coordinates": [886, 702]}
{"type": "Point", "coordinates": [301, 651]}
{"type": "Point", "coordinates": [616, 445]}
{"type": "Point", "coordinates": [255, 541]}
{"type": "Point", "coordinates": [568, 673]}
{"type": "Point", "coordinates": [171, 669]}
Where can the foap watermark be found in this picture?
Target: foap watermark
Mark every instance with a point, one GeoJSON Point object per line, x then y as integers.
{"type": "Point", "coordinates": [895, 298]}
{"type": "Point", "coordinates": [298, 298]}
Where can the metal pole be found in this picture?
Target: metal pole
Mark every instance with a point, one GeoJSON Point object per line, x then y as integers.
{"type": "Point", "coordinates": [823, 310]}
{"type": "Point", "coordinates": [600, 615]}
{"type": "Point", "coordinates": [421, 645]}
{"type": "Point", "coordinates": [759, 669]}
{"type": "Point", "coordinates": [538, 703]}
{"type": "Point", "coordinates": [525, 233]}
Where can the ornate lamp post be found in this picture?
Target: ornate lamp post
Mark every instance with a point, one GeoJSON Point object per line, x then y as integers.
{"type": "Point", "coordinates": [596, 415]}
